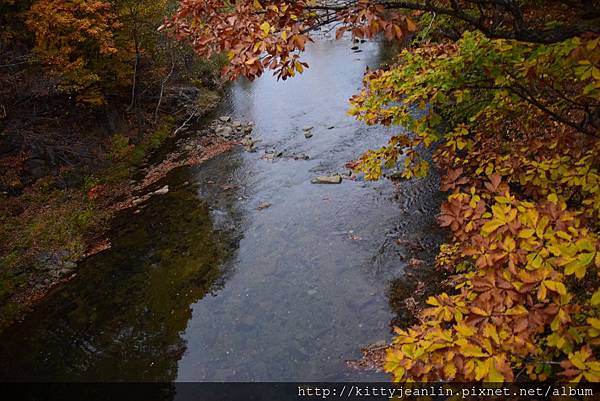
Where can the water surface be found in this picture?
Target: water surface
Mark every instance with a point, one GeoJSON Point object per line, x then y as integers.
{"type": "Point", "coordinates": [202, 285]}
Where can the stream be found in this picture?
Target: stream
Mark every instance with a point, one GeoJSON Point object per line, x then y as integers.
{"type": "Point", "coordinates": [203, 285]}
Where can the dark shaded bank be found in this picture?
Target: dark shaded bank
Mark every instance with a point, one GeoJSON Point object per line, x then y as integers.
{"type": "Point", "coordinates": [120, 318]}
{"type": "Point", "coordinates": [52, 221]}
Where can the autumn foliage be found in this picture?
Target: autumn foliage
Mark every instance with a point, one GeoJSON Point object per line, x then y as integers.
{"type": "Point", "coordinates": [515, 132]}
{"type": "Point", "coordinates": [269, 35]}
{"type": "Point", "coordinates": [67, 33]}
{"type": "Point", "coordinates": [88, 49]}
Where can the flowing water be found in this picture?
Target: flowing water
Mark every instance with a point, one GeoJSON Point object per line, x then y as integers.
{"type": "Point", "coordinates": [203, 285]}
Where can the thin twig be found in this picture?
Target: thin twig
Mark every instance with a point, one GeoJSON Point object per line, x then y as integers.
{"type": "Point", "coordinates": [162, 87]}
{"type": "Point", "coordinates": [185, 123]}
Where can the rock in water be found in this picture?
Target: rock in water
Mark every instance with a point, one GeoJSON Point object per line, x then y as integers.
{"type": "Point", "coordinates": [307, 128]}
{"type": "Point", "coordinates": [325, 179]}
{"type": "Point", "coordinates": [263, 205]}
{"type": "Point", "coordinates": [308, 134]}
{"type": "Point", "coordinates": [225, 119]}
{"type": "Point", "coordinates": [248, 141]}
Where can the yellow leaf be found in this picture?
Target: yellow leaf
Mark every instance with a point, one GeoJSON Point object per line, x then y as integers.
{"type": "Point", "coordinates": [592, 377]}
{"type": "Point", "coordinates": [542, 293]}
{"type": "Point", "coordinates": [494, 376]}
{"type": "Point", "coordinates": [586, 258]}
{"type": "Point", "coordinates": [464, 330]}
{"type": "Point", "coordinates": [563, 235]}
{"type": "Point", "coordinates": [265, 27]}
{"type": "Point", "coordinates": [594, 322]}
{"type": "Point", "coordinates": [491, 332]}
{"type": "Point", "coordinates": [555, 286]}
{"type": "Point", "coordinates": [491, 226]}
{"type": "Point", "coordinates": [535, 262]}
{"type": "Point", "coordinates": [517, 310]}
{"type": "Point", "coordinates": [509, 244]}
{"type": "Point", "coordinates": [577, 360]}
{"type": "Point", "coordinates": [526, 233]}
{"type": "Point", "coordinates": [479, 311]}
{"type": "Point", "coordinates": [450, 371]}
{"type": "Point", "coordinates": [553, 198]}
{"type": "Point", "coordinates": [471, 350]}
{"type": "Point", "coordinates": [481, 370]}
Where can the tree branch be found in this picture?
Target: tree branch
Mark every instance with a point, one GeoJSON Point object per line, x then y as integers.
{"type": "Point", "coordinates": [520, 29]}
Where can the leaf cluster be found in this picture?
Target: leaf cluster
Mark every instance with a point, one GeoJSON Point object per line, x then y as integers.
{"type": "Point", "coordinates": [522, 168]}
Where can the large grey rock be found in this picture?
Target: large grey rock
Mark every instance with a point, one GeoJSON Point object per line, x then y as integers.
{"type": "Point", "coordinates": [225, 119]}
{"type": "Point", "coordinates": [327, 179]}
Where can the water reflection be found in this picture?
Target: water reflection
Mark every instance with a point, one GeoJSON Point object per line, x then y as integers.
{"type": "Point", "coordinates": [122, 317]}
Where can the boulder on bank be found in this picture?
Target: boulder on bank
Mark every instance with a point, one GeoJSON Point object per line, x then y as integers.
{"type": "Point", "coordinates": [162, 191]}
{"type": "Point", "coordinates": [224, 131]}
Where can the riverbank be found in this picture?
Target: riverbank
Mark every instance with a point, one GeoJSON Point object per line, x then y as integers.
{"type": "Point", "coordinates": [47, 230]}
